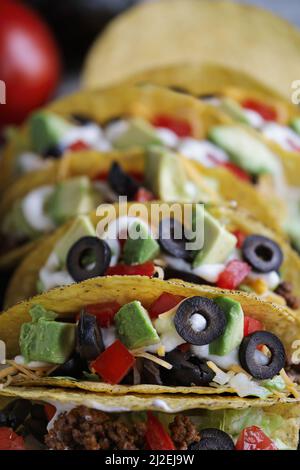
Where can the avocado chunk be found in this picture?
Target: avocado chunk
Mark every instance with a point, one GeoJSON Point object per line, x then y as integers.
{"type": "Point", "coordinates": [139, 134]}
{"type": "Point", "coordinates": [234, 331]}
{"type": "Point", "coordinates": [134, 327]}
{"type": "Point", "coordinates": [218, 243]}
{"type": "Point", "coordinates": [295, 124]}
{"type": "Point", "coordinates": [45, 339]}
{"type": "Point", "coordinates": [244, 149]}
{"type": "Point", "coordinates": [81, 227]}
{"type": "Point", "coordinates": [70, 198]}
{"type": "Point", "coordinates": [166, 177]}
{"type": "Point", "coordinates": [234, 110]}
{"type": "Point", "coordinates": [141, 249]}
{"type": "Point", "coordinates": [46, 130]}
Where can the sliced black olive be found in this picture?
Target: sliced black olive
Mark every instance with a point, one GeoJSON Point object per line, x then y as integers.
{"type": "Point", "coordinates": [89, 337]}
{"type": "Point", "coordinates": [81, 119]}
{"type": "Point", "coordinates": [122, 183]}
{"type": "Point", "coordinates": [19, 413]}
{"type": "Point", "coordinates": [262, 253]}
{"type": "Point", "coordinates": [172, 239]}
{"type": "Point", "coordinates": [213, 439]}
{"type": "Point", "coordinates": [72, 368]}
{"type": "Point", "coordinates": [185, 372]}
{"type": "Point", "coordinates": [247, 354]}
{"type": "Point", "coordinates": [213, 314]}
{"type": "Point", "coordinates": [171, 273]}
{"type": "Point", "coordinates": [88, 257]}
{"type": "Point", "coordinates": [151, 373]}
{"type": "Point", "coordinates": [55, 151]}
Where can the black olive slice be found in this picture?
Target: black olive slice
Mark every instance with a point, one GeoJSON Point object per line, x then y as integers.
{"type": "Point", "coordinates": [122, 183]}
{"type": "Point", "coordinates": [185, 372]}
{"type": "Point", "coordinates": [18, 413]}
{"type": "Point", "coordinates": [151, 373]}
{"type": "Point", "coordinates": [89, 342]}
{"type": "Point", "coordinates": [213, 439]}
{"type": "Point", "coordinates": [172, 239]}
{"type": "Point", "coordinates": [262, 253]}
{"type": "Point", "coordinates": [55, 151]}
{"type": "Point", "coordinates": [88, 257]}
{"type": "Point", "coordinates": [213, 314]}
{"type": "Point", "coordinates": [171, 273]}
{"type": "Point", "coordinates": [72, 368]}
{"type": "Point", "coordinates": [81, 119]}
{"type": "Point", "coordinates": [247, 355]}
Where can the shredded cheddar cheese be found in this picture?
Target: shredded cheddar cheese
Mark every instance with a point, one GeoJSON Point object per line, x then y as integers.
{"type": "Point", "coordinates": [149, 356]}
{"type": "Point", "coordinates": [258, 285]}
{"type": "Point", "coordinates": [291, 387]}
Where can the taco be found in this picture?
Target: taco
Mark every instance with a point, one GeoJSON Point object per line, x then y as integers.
{"type": "Point", "coordinates": [68, 420]}
{"type": "Point", "coordinates": [234, 251]}
{"type": "Point", "coordinates": [131, 334]}
{"type": "Point", "coordinates": [40, 200]}
{"type": "Point", "coordinates": [253, 105]}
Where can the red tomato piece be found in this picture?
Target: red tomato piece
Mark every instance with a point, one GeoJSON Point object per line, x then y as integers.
{"type": "Point", "coordinates": [251, 325]}
{"type": "Point", "coordinates": [233, 275]}
{"type": "Point", "coordinates": [143, 195]}
{"type": "Point", "coordinates": [164, 303]}
{"type": "Point", "coordinates": [29, 61]}
{"type": "Point", "coordinates": [267, 112]}
{"type": "Point", "coordinates": [78, 145]}
{"type": "Point", "coordinates": [50, 411]}
{"type": "Point", "coordinates": [146, 269]}
{"type": "Point", "coordinates": [241, 174]}
{"type": "Point", "coordinates": [253, 438]}
{"type": "Point", "coordinates": [240, 237]}
{"type": "Point", "coordinates": [157, 437]}
{"type": "Point", "coordinates": [104, 312]}
{"type": "Point", "coordinates": [114, 363]}
{"type": "Point", "coordinates": [180, 127]}
{"type": "Point", "coordinates": [9, 440]}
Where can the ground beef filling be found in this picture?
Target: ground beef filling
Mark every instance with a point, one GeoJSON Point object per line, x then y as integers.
{"type": "Point", "coordinates": [85, 429]}
{"type": "Point", "coordinates": [285, 290]}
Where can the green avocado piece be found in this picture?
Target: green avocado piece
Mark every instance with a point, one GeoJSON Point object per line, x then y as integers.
{"type": "Point", "coordinates": [165, 176]}
{"type": "Point", "coordinates": [234, 110]}
{"type": "Point", "coordinates": [16, 226]}
{"type": "Point", "coordinates": [142, 249]}
{"type": "Point", "coordinates": [295, 124]}
{"type": "Point", "coordinates": [134, 327]}
{"type": "Point", "coordinates": [218, 243]}
{"type": "Point", "coordinates": [46, 130]}
{"type": "Point", "coordinates": [70, 198]}
{"type": "Point", "coordinates": [81, 227]}
{"type": "Point", "coordinates": [45, 339]}
{"type": "Point", "coordinates": [234, 331]}
{"type": "Point", "coordinates": [139, 134]}
{"type": "Point", "coordinates": [244, 149]}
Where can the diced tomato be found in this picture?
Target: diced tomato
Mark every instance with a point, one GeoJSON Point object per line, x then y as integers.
{"type": "Point", "coordinates": [241, 236]}
{"type": "Point", "coordinates": [78, 145]}
{"type": "Point", "coordinates": [233, 275]}
{"type": "Point", "coordinates": [164, 303]}
{"type": "Point", "coordinates": [104, 312]}
{"type": "Point", "coordinates": [238, 172]}
{"type": "Point", "coordinates": [146, 269]}
{"type": "Point", "coordinates": [180, 127]}
{"type": "Point", "coordinates": [9, 440]}
{"type": "Point", "coordinates": [251, 325]}
{"type": "Point", "coordinates": [114, 363]}
{"type": "Point", "coordinates": [253, 438]}
{"type": "Point", "coordinates": [184, 347]}
{"type": "Point", "coordinates": [50, 411]}
{"type": "Point", "coordinates": [143, 195]}
{"type": "Point", "coordinates": [267, 112]}
{"type": "Point", "coordinates": [157, 437]}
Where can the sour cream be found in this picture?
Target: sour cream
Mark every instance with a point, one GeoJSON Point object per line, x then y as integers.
{"type": "Point", "coordinates": [167, 137]}
{"type": "Point", "coordinates": [91, 134]}
{"type": "Point", "coordinates": [254, 119]}
{"type": "Point", "coordinates": [51, 277]}
{"type": "Point", "coordinates": [202, 151]}
{"type": "Point", "coordinates": [109, 335]}
{"type": "Point", "coordinates": [272, 279]}
{"type": "Point", "coordinates": [282, 135]}
{"type": "Point", "coordinates": [208, 272]}
{"type": "Point", "coordinates": [29, 161]}
{"type": "Point", "coordinates": [115, 129]}
{"type": "Point", "coordinates": [33, 207]}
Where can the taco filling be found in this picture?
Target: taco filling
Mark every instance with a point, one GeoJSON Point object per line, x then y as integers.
{"type": "Point", "coordinates": [229, 258]}
{"type": "Point", "coordinates": [178, 341]}
{"type": "Point", "coordinates": [36, 425]}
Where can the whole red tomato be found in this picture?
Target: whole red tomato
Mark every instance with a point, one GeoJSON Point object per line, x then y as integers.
{"type": "Point", "coordinates": [29, 61]}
